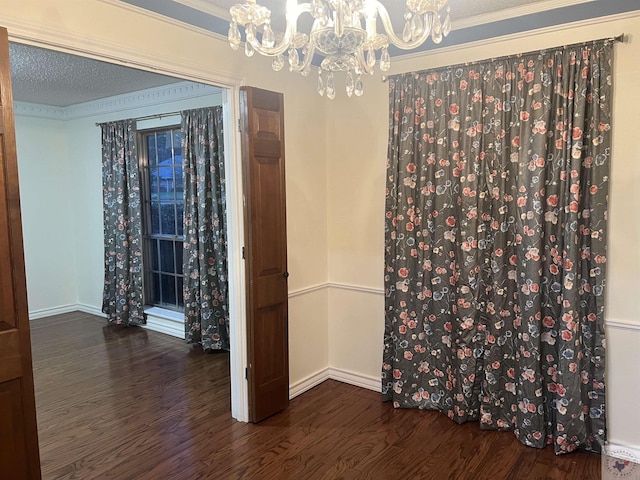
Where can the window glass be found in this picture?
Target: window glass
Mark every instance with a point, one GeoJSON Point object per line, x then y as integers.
{"type": "Point", "coordinates": [163, 192]}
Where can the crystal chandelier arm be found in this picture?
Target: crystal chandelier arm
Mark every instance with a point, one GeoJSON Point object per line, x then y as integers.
{"type": "Point", "coordinates": [294, 10]}
{"type": "Point", "coordinates": [308, 58]}
{"type": "Point", "coordinates": [398, 42]}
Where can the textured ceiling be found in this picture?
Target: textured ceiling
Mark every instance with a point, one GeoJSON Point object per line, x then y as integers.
{"type": "Point", "coordinates": [59, 79]}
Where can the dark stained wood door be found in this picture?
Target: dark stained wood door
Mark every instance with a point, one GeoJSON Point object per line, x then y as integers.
{"type": "Point", "coordinates": [19, 456]}
{"type": "Point", "coordinates": [262, 124]}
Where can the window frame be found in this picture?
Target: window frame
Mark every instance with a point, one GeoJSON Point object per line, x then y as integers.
{"type": "Point", "coordinates": [151, 298]}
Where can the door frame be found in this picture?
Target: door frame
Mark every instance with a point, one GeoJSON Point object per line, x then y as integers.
{"type": "Point", "coordinates": [233, 170]}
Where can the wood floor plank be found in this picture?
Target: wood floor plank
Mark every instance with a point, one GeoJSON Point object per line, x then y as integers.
{"type": "Point", "coordinates": [132, 404]}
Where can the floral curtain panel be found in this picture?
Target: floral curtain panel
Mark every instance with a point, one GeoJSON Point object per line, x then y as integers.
{"type": "Point", "coordinates": [205, 255]}
{"type": "Point", "coordinates": [122, 296]}
{"type": "Point", "coordinates": [496, 208]}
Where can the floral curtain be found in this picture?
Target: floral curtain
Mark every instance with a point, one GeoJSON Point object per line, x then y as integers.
{"type": "Point", "coordinates": [205, 255]}
{"type": "Point", "coordinates": [122, 295]}
{"type": "Point", "coordinates": [496, 210]}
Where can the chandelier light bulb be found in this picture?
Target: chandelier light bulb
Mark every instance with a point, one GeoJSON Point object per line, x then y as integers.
{"type": "Point", "coordinates": [345, 36]}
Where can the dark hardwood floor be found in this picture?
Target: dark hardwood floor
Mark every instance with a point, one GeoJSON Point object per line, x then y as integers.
{"type": "Point", "coordinates": [127, 404]}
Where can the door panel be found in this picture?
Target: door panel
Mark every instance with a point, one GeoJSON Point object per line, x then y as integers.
{"type": "Point", "coordinates": [266, 243]}
{"type": "Point", "coordinates": [19, 456]}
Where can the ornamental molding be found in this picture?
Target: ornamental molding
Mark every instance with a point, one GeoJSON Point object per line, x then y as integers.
{"type": "Point", "coordinates": [156, 96]}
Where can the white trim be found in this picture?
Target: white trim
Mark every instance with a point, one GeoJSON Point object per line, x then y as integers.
{"type": "Point", "coordinates": [508, 13]}
{"type": "Point", "coordinates": [622, 325]}
{"type": "Point", "coordinates": [235, 262]}
{"type": "Point", "coordinates": [165, 321]}
{"type": "Point", "coordinates": [26, 109]}
{"type": "Point", "coordinates": [127, 101]}
{"type": "Point", "coordinates": [356, 288]}
{"type": "Point", "coordinates": [308, 383]}
{"type": "Point", "coordinates": [624, 452]}
{"type": "Point", "coordinates": [163, 18]}
{"type": "Point", "coordinates": [207, 7]}
{"type": "Point", "coordinates": [49, 312]}
{"type": "Point", "coordinates": [82, 307]}
{"type": "Point", "coordinates": [144, 98]}
{"type": "Point", "coordinates": [61, 39]}
{"type": "Point", "coordinates": [340, 375]}
{"type": "Point", "coordinates": [340, 286]}
{"type": "Point", "coordinates": [305, 290]}
{"type": "Point", "coordinates": [515, 36]}
{"type": "Point", "coordinates": [356, 379]}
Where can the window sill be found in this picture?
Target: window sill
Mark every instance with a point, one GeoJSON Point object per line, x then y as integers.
{"type": "Point", "coordinates": [165, 314]}
{"type": "Point", "coordinates": [165, 321]}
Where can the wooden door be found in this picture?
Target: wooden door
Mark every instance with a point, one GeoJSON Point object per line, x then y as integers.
{"type": "Point", "coordinates": [19, 456]}
{"type": "Point", "coordinates": [262, 124]}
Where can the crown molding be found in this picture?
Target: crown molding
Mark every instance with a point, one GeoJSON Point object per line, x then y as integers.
{"type": "Point", "coordinates": [514, 12]}
{"type": "Point", "coordinates": [206, 7]}
{"type": "Point", "coordinates": [172, 21]}
{"type": "Point", "coordinates": [515, 36]}
{"type": "Point", "coordinates": [144, 98]}
{"type": "Point", "coordinates": [174, 92]}
{"type": "Point", "coordinates": [60, 39]}
{"type": "Point", "coordinates": [26, 109]}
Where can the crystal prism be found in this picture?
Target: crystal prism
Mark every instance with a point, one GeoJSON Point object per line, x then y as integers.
{"type": "Point", "coordinates": [350, 84]}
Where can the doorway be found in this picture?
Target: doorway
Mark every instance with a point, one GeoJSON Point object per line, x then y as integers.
{"type": "Point", "coordinates": [229, 99]}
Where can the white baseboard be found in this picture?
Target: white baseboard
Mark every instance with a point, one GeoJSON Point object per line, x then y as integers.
{"type": "Point", "coordinates": [308, 383]}
{"type": "Point", "coordinates": [623, 452]}
{"type": "Point", "coordinates": [330, 373]}
{"type": "Point", "coordinates": [49, 312]}
{"type": "Point", "coordinates": [84, 308]}
{"type": "Point", "coordinates": [356, 379]}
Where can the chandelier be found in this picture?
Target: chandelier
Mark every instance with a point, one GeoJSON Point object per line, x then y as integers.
{"type": "Point", "coordinates": [344, 32]}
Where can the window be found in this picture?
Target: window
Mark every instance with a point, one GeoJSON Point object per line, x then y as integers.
{"type": "Point", "coordinates": [161, 173]}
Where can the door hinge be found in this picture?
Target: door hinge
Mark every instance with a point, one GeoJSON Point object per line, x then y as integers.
{"type": "Point", "coordinates": [246, 373]}
{"type": "Point", "coordinates": [239, 125]}
{"type": "Point", "coordinates": [243, 255]}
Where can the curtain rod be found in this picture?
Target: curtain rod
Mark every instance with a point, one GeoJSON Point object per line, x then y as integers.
{"type": "Point", "coordinates": [150, 117]}
{"type": "Point", "coordinates": [622, 38]}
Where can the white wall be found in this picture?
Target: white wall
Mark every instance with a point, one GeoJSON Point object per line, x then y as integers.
{"type": "Point", "coordinates": [60, 169]}
{"type": "Point", "coordinates": [151, 42]}
{"type": "Point", "coordinates": [336, 154]}
{"type": "Point", "coordinates": [48, 219]}
{"type": "Point", "coordinates": [84, 143]}
{"type": "Point", "coordinates": [356, 183]}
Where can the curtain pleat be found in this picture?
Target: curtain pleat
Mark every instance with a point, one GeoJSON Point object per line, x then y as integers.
{"type": "Point", "coordinates": [495, 252]}
{"type": "Point", "coordinates": [205, 255]}
{"type": "Point", "coordinates": [122, 295]}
